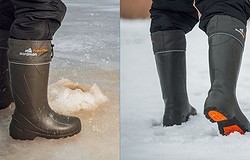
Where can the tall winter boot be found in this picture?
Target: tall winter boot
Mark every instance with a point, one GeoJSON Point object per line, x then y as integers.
{"type": "Point", "coordinates": [169, 49]}
{"type": "Point", "coordinates": [5, 93]}
{"type": "Point", "coordinates": [226, 37]}
{"type": "Point", "coordinates": [29, 71]}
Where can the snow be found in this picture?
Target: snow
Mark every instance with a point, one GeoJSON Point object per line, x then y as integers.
{"type": "Point", "coordinates": [142, 136]}
{"type": "Point", "coordinates": [67, 96]}
{"type": "Point", "coordinates": [87, 54]}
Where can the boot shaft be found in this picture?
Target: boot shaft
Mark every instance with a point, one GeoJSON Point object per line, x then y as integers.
{"type": "Point", "coordinates": [29, 87]}
{"type": "Point", "coordinates": [226, 44]}
{"type": "Point", "coordinates": [29, 65]}
{"type": "Point", "coordinates": [168, 41]}
{"type": "Point", "coordinates": [225, 55]}
{"type": "Point", "coordinates": [169, 49]}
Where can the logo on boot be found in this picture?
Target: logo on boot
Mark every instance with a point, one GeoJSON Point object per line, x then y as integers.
{"type": "Point", "coordinates": [241, 31]}
{"type": "Point", "coordinates": [32, 53]}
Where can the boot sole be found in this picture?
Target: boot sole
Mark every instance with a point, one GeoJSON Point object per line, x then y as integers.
{"type": "Point", "coordinates": [20, 134]}
{"type": "Point", "coordinates": [176, 119]}
{"type": "Point", "coordinates": [26, 134]}
{"type": "Point", "coordinates": [226, 125]}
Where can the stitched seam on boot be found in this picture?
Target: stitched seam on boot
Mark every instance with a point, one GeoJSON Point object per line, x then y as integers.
{"type": "Point", "coordinates": [31, 64]}
{"type": "Point", "coordinates": [170, 51]}
{"type": "Point", "coordinates": [227, 35]}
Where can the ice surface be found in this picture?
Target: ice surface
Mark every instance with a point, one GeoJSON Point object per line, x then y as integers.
{"type": "Point", "coordinates": [89, 35]}
{"type": "Point", "coordinates": [87, 52]}
{"type": "Point", "coordinates": [142, 136]}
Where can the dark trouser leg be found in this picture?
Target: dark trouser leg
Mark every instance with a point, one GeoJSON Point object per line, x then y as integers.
{"type": "Point", "coordinates": [173, 15]}
{"type": "Point", "coordinates": [6, 19]}
{"type": "Point", "coordinates": [169, 49]}
{"type": "Point", "coordinates": [37, 19]}
{"type": "Point", "coordinates": [6, 14]}
{"type": "Point", "coordinates": [239, 9]}
{"type": "Point", "coordinates": [168, 30]}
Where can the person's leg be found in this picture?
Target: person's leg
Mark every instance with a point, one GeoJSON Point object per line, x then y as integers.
{"type": "Point", "coordinates": [170, 21]}
{"type": "Point", "coordinates": [29, 54]}
{"type": "Point", "coordinates": [7, 18]}
{"type": "Point", "coordinates": [226, 34]}
{"type": "Point", "coordinates": [173, 15]}
{"type": "Point", "coordinates": [6, 14]}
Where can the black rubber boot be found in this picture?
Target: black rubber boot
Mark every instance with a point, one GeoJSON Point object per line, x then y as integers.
{"type": "Point", "coordinates": [169, 49]}
{"type": "Point", "coordinates": [29, 71]}
{"type": "Point", "coordinates": [5, 93]}
{"type": "Point", "coordinates": [226, 44]}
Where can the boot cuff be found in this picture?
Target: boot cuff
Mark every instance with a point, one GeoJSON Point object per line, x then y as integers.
{"type": "Point", "coordinates": [227, 25]}
{"type": "Point", "coordinates": [29, 51]}
{"type": "Point", "coordinates": [168, 41]}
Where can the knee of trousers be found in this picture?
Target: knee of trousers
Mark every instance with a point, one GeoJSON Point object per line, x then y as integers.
{"type": "Point", "coordinates": [173, 21]}
{"type": "Point", "coordinates": [37, 24]}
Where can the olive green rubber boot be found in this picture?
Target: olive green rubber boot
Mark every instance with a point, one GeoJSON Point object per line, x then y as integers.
{"type": "Point", "coordinates": [226, 37]}
{"type": "Point", "coordinates": [170, 56]}
{"type": "Point", "coordinates": [29, 70]}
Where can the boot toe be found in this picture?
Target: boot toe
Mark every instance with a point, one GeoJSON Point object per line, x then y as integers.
{"type": "Point", "coordinates": [176, 117]}
{"type": "Point", "coordinates": [62, 125]}
{"type": "Point", "coordinates": [75, 125]}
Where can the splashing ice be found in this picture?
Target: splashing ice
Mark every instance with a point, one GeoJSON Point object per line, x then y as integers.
{"type": "Point", "coordinates": [67, 97]}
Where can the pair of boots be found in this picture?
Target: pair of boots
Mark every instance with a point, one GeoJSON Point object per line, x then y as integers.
{"type": "Point", "coordinates": [29, 63]}
{"type": "Point", "coordinates": [226, 43]}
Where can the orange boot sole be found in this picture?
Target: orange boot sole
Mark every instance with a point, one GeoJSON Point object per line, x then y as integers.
{"type": "Point", "coordinates": [226, 126]}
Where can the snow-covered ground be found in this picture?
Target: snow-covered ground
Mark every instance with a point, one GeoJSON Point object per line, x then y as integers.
{"type": "Point", "coordinates": [142, 136]}
{"type": "Point", "coordinates": [87, 53]}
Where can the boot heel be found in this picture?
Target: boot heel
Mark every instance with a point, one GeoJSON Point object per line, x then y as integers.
{"type": "Point", "coordinates": [216, 116]}
{"type": "Point", "coordinates": [225, 125]}
{"type": "Point", "coordinates": [22, 134]}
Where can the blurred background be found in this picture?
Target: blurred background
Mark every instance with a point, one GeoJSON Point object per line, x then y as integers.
{"type": "Point", "coordinates": [134, 9]}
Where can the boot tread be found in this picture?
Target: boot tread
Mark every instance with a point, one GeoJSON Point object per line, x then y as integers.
{"type": "Point", "coordinates": [226, 125]}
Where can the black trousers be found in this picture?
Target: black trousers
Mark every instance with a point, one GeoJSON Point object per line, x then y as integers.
{"type": "Point", "coordinates": [181, 14]}
{"type": "Point", "coordinates": [31, 19]}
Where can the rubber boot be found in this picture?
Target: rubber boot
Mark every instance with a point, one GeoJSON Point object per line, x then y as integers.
{"type": "Point", "coordinates": [5, 93]}
{"type": "Point", "coordinates": [169, 50]}
{"type": "Point", "coordinates": [29, 71]}
{"type": "Point", "coordinates": [226, 37]}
